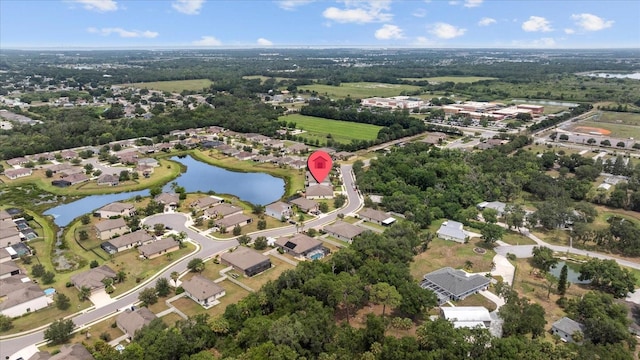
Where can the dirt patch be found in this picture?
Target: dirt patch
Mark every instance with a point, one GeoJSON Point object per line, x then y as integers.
{"type": "Point", "coordinates": [592, 130]}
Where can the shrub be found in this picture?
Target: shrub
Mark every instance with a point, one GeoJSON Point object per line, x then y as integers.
{"type": "Point", "coordinates": [93, 264]}
{"type": "Point", "coordinates": [179, 290]}
{"type": "Point", "coordinates": [105, 336]}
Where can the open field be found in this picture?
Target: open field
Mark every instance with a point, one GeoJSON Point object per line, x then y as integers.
{"type": "Point", "coordinates": [513, 238]}
{"type": "Point", "coordinates": [341, 131]}
{"type": "Point", "coordinates": [619, 118]}
{"type": "Point", "coordinates": [617, 130]}
{"type": "Point", "coordinates": [174, 86]}
{"type": "Point", "coordinates": [455, 79]}
{"type": "Point", "coordinates": [265, 78]}
{"type": "Point", "coordinates": [233, 294]}
{"type": "Point", "coordinates": [360, 89]}
{"type": "Point", "coordinates": [443, 253]}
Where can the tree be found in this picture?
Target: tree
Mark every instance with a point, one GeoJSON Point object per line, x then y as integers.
{"type": "Point", "coordinates": [621, 144]}
{"type": "Point", "coordinates": [562, 281]}
{"type": "Point", "coordinates": [84, 293]}
{"type": "Point", "coordinates": [339, 201]}
{"type": "Point", "coordinates": [48, 277]}
{"type": "Point", "coordinates": [591, 141]}
{"type": "Point", "coordinates": [604, 319]}
{"type": "Point", "coordinates": [543, 258]}
{"type": "Point", "coordinates": [605, 143]}
{"type": "Point", "coordinates": [49, 173]}
{"type": "Point", "coordinates": [162, 287]}
{"type": "Point", "coordinates": [121, 276]}
{"type": "Point", "coordinates": [260, 243]}
{"type": "Point", "coordinates": [62, 301]}
{"type": "Point", "coordinates": [85, 219]}
{"type": "Point", "coordinates": [262, 224]}
{"type": "Point", "coordinates": [323, 207]}
{"type": "Point", "coordinates": [83, 235]}
{"type": "Point", "coordinates": [237, 230]}
{"type": "Point", "coordinates": [174, 276]}
{"type": "Point", "coordinates": [490, 215]}
{"type": "Point", "coordinates": [94, 264]}
{"type": "Point", "coordinates": [564, 137]}
{"type": "Point", "coordinates": [522, 317]}
{"type": "Point", "coordinates": [468, 265]}
{"type": "Point", "coordinates": [37, 270]}
{"type": "Point", "coordinates": [385, 294]}
{"type": "Point", "coordinates": [6, 323]}
{"type": "Point", "coordinates": [608, 276]}
{"type": "Point", "coordinates": [196, 265]}
{"type": "Point", "coordinates": [59, 331]}
{"type": "Point", "coordinates": [244, 239]}
{"type": "Point", "coordinates": [158, 229]}
{"type": "Point", "coordinates": [148, 296]}
{"type": "Point", "coordinates": [550, 281]}
{"type": "Point", "coordinates": [491, 233]}
{"type": "Point", "coordinates": [349, 291]}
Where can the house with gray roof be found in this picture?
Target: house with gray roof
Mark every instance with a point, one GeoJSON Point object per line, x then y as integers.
{"type": "Point", "coordinates": [319, 192]}
{"type": "Point", "coordinates": [8, 268]}
{"type": "Point", "coordinates": [203, 291]}
{"type": "Point", "coordinates": [92, 278]}
{"type": "Point", "coordinates": [130, 240]}
{"type": "Point", "coordinates": [246, 260]}
{"type": "Point", "coordinates": [498, 206]}
{"type": "Point", "coordinates": [376, 216]}
{"type": "Point", "coordinates": [278, 210]}
{"type": "Point", "coordinates": [109, 228]}
{"type": "Point", "coordinates": [299, 245]}
{"type": "Point", "coordinates": [206, 202]}
{"type": "Point", "coordinates": [23, 299]}
{"type": "Point", "coordinates": [157, 248]}
{"type": "Point", "coordinates": [450, 284]}
{"type": "Point", "coordinates": [222, 211]}
{"type": "Point", "coordinates": [108, 179]}
{"type": "Point", "coordinates": [131, 321]}
{"type": "Point", "coordinates": [306, 205]}
{"type": "Point", "coordinates": [452, 230]}
{"type": "Point", "coordinates": [343, 231]}
{"type": "Point", "coordinates": [116, 209]}
{"type": "Point", "coordinates": [67, 352]}
{"type": "Point", "coordinates": [170, 201]}
{"type": "Point", "coordinates": [565, 328]}
{"type": "Point", "coordinates": [233, 221]}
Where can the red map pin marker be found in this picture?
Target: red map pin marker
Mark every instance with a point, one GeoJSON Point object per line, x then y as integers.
{"type": "Point", "coordinates": [319, 164]}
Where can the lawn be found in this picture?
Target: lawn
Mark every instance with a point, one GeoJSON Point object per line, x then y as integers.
{"type": "Point", "coordinates": [341, 131]}
{"type": "Point", "coordinates": [617, 130]}
{"type": "Point", "coordinates": [360, 89]}
{"type": "Point", "coordinates": [174, 86]}
{"type": "Point", "coordinates": [455, 79]}
{"type": "Point", "coordinates": [265, 78]}
{"type": "Point", "coordinates": [619, 118]}
{"type": "Point", "coordinates": [256, 282]}
{"type": "Point", "coordinates": [477, 300]}
{"type": "Point", "coordinates": [514, 238]}
{"type": "Point", "coordinates": [442, 253]}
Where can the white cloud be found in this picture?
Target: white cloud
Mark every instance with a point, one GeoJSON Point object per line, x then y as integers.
{"type": "Point", "coordinates": [446, 31]}
{"type": "Point", "coordinates": [189, 7]}
{"type": "Point", "coordinates": [486, 21]}
{"type": "Point", "coordinates": [387, 32]}
{"type": "Point", "coordinates": [124, 33]}
{"type": "Point", "coordinates": [536, 23]}
{"type": "Point", "coordinates": [590, 22]}
{"type": "Point", "coordinates": [98, 5]}
{"type": "Point", "coordinates": [293, 4]}
{"type": "Point", "coordinates": [423, 41]}
{"type": "Point", "coordinates": [360, 12]}
{"type": "Point", "coordinates": [207, 41]}
{"type": "Point", "coordinates": [420, 13]}
{"type": "Point", "coordinates": [569, 31]}
{"type": "Point", "coordinates": [264, 42]}
{"type": "Point", "coordinates": [472, 3]}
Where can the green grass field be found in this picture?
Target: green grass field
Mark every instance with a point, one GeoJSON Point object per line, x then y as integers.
{"type": "Point", "coordinates": [341, 131]}
{"type": "Point", "coordinates": [617, 130]}
{"type": "Point", "coordinates": [360, 89]}
{"type": "Point", "coordinates": [174, 86]}
{"type": "Point", "coordinates": [455, 79]}
{"type": "Point", "coordinates": [265, 78]}
{"type": "Point", "coordinates": [619, 118]}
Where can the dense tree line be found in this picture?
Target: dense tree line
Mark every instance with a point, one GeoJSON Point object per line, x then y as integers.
{"type": "Point", "coordinates": [549, 122]}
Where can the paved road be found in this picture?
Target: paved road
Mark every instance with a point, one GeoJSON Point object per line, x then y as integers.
{"type": "Point", "coordinates": [208, 248]}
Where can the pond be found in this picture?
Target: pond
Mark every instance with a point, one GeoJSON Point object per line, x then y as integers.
{"type": "Point", "coordinates": [256, 188]}
{"type": "Point", "coordinates": [635, 76]}
{"type": "Point", "coordinates": [573, 272]}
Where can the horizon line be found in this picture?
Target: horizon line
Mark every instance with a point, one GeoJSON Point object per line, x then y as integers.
{"type": "Point", "coordinates": [291, 47]}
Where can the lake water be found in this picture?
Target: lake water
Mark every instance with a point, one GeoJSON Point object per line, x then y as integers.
{"type": "Point", "coordinates": [545, 102]}
{"type": "Point", "coordinates": [573, 272]}
{"type": "Point", "coordinates": [256, 188]}
{"type": "Point", "coordinates": [635, 76]}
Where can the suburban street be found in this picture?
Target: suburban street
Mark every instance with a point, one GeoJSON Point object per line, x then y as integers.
{"type": "Point", "coordinates": [10, 348]}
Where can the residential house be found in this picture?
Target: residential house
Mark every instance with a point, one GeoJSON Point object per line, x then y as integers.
{"type": "Point", "coordinates": [452, 230]}
{"type": "Point", "coordinates": [244, 155]}
{"type": "Point", "coordinates": [158, 248]}
{"type": "Point", "coordinates": [59, 167]}
{"type": "Point", "coordinates": [17, 161]}
{"type": "Point", "coordinates": [116, 209]}
{"type": "Point", "coordinates": [62, 183]}
{"type": "Point", "coordinates": [18, 297]}
{"type": "Point", "coordinates": [5, 216]}
{"type": "Point", "coordinates": [298, 148]}
{"type": "Point", "coordinates": [13, 174]}
{"type": "Point", "coordinates": [343, 231]}
{"type": "Point", "coordinates": [434, 138]}
{"type": "Point", "coordinates": [9, 268]}
{"type": "Point", "coordinates": [565, 328]}
{"type": "Point", "coordinates": [148, 162]}
{"type": "Point", "coordinates": [298, 164]}
{"type": "Point", "coordinates": [92, 278]}
{"type": "Point", "coordinates": [131, 321]}
{"type": "Point", "coordinates": [343, 155]}
{"type": "Point", "coordinates": [128, 241]}
{"type": "Point", "coordinates": [376, 216]}
{"type": "Point", "coordinates": [278, 210]}
{"type": "Point", "coordinates": [76, 178]}
{"type": "Point", "coordinates": [246, 260]}
{"type": "Point", "coordinates": [206, 202]}
{"type": "Point", "coordinates": [4, 255]}
{"type": "Point", "coordinates": [67, 352]}
{"type": "Point", "coordinates": [68, 154]}
{"type": "Point", "coordinates": [108, 179]}
{"type": "Point", "coordinates": [467, 316]}
{"type": "Point", "coordinates": [299, 245]}
{"type": "Point", "coordinates": [203, 291]}
{"type": "Point", "coordinates": [274, 144]}
{"type": "Point", "coordinates": [232, 221]}
{"type": "Point", "coordinates": [170, 201]}
{"type": "Point", "coordinates": [319, 192]}
{"type": "Point", "coordinates": [311, 181]}
{"type": "Point", "coordinates": [305, 205]}
{"type": "Point", "coordinates": [222, 210]}
{"type": "Point", "coordinates": [109, 228]}
{"type": "Point", "coordinates": [450, 284]}
{"type": "Point", "coordinates": [498, 206]}
{"type": "Point", "coordinates": [9, 236]}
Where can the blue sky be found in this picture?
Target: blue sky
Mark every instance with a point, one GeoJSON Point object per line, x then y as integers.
{"type": "Point", "coordinates": [298, 23]}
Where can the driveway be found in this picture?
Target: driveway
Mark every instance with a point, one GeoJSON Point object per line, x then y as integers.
{"type": "Point", "coordinates": [503, 268]}
{"type": "Point", "coordinates": [100, 298]}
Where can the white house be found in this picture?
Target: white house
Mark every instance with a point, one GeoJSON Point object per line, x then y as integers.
{"type": "Point", "coordinates": [452, 230]}
{"type": "Point", "coordinates": [203, 291]}
{"type": "Point", "coordinates": [19, 297]}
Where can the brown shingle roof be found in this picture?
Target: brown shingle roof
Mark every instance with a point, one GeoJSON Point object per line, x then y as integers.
{"type": "Point", "coordinates": [299, 243]}
{"type": "Point", "coordinates": [344, 229]}
{"type": "Point", "coordinates": [157, 246]}
{"type": "Point", "coordinates": [131, 238]}
{"type": "Point", "coordinates": [110, 224]}
{"type": "Point", "coordinates": [132, 321]}
{"type": "Point", "coordinates": [201, 288]}
{"type": "Point", "coordinates": [244, 258]}
{"type": "Point", "coordinates": [93, 278]}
